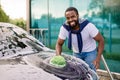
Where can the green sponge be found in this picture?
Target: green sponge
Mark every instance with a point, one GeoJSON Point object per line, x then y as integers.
{"type": "Point", "coordinates": [58, 61]}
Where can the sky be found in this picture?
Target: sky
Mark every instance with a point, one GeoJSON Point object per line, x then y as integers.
{"type": "Point", "coordinates": [14, 8]}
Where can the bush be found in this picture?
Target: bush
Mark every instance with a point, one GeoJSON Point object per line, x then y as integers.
{"type": "Point", "coordinates": [113, 56]}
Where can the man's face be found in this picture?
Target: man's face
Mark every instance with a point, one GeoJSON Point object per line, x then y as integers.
{"type": "Point", "coordinates": [72, 18]}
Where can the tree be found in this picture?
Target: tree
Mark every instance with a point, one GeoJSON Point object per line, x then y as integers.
{"type": "Point", "coordinates": [112, 7]}
{"type": "Point", "coordinates": [96, 4]}
{"type": "Point", "coordinates": [3, 16]}
{"type": "Point", "coordinates": [107, 7]}
{"type": "Point", "coordinates": [19, 22]}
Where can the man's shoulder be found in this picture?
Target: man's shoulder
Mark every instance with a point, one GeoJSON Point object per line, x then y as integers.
{"type": "Point", "coordinates": [62, 28]}
{"type": "Point", "coordinates": [66, 26]}
{"type": "Point", "coordinates": [86, 21]}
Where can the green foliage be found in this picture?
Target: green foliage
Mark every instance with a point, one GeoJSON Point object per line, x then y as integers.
{"type": "Point", "coordinates": [113, 56]}
{"type": "Point", "coordinates": [19, 22]}
{"type": "Point", "coordinates": [3, 16]}
{"type": "Point", "coordinates": [96, 4]}
{"type": "Point", "coordinates": [114, 41]}
{"type": "Point", "coordinates": [107, 7]}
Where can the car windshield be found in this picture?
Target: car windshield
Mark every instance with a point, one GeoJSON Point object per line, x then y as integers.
{"type": "Point", "coordinates": [16, 41]}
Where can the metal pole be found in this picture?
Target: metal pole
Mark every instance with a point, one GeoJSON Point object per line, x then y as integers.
{"type": "Point", "coordinates": [105, 64]}
{"type": "Point", "coordinates": [0, 3]}
{"type": "Point", "coordinates": [110, 34]}
{"type": "Point", "coordinates": [28, 15]}
{"type": "Point", "coordinates": [49, 29]}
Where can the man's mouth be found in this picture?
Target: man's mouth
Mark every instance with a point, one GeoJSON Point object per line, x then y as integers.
{"type": "Point", "coordinates": [72, 23]}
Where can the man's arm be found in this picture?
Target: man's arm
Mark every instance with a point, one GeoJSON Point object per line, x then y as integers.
{"type": "Point", "coordinates": [100, 41]}
{"type": "Point", "coordinates": [59, 46]}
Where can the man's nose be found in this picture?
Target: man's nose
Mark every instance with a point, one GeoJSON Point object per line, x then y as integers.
{"type": "Point", "coordinates": [70, 19]}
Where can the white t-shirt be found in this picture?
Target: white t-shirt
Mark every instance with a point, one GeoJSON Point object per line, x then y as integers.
{"type": "Point", "coordinates": [87, 33]}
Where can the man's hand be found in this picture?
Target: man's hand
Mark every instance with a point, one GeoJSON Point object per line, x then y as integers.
{"type": "Point", "coordinates": [59, 46]}
{"type": "Point", "coordinates": [96, 62]}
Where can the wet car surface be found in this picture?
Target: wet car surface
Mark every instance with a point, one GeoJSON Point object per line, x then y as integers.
{"type": "Point", "coordinates": [23, 56]}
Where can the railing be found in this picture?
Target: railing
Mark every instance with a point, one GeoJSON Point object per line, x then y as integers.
{"type": "Point", "coordinates": [40, 34]}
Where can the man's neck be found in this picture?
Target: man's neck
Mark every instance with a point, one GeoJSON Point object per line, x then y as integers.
{"type": "Point", "coordinates": [76, 27]}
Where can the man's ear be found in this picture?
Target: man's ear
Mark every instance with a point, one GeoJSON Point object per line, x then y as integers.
{"type": "Point", "coordinates": [78, 15]}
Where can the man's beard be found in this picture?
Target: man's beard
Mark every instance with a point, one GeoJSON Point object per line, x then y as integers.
{"type": "Point", "coordinates": [76, 22]}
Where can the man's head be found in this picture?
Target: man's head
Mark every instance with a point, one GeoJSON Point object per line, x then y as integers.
{"type": "Point", "coordinates": [72, 16]}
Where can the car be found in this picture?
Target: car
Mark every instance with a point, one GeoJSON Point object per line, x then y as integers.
{"type": "Point", "coordinates": [23, 57]}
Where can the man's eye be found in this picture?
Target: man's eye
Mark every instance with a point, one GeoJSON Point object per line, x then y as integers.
{"type": "Point", "coordinates": [72, 16]}
{"type": "Point", "coordinates": [67, 18]}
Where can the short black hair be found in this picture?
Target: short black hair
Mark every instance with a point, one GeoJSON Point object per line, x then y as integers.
{"type": "Point", "coordinates": [72, 9]}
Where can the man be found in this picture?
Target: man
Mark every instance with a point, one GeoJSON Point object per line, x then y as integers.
{"type": "Point", "coordinates": [82, 37]}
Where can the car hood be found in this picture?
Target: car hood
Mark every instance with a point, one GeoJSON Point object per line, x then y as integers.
{"type": "Point", "coordinates": [15, 41]}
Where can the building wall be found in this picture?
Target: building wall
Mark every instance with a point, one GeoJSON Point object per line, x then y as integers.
{"type": "Point", "coordinates": [47, 16]}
